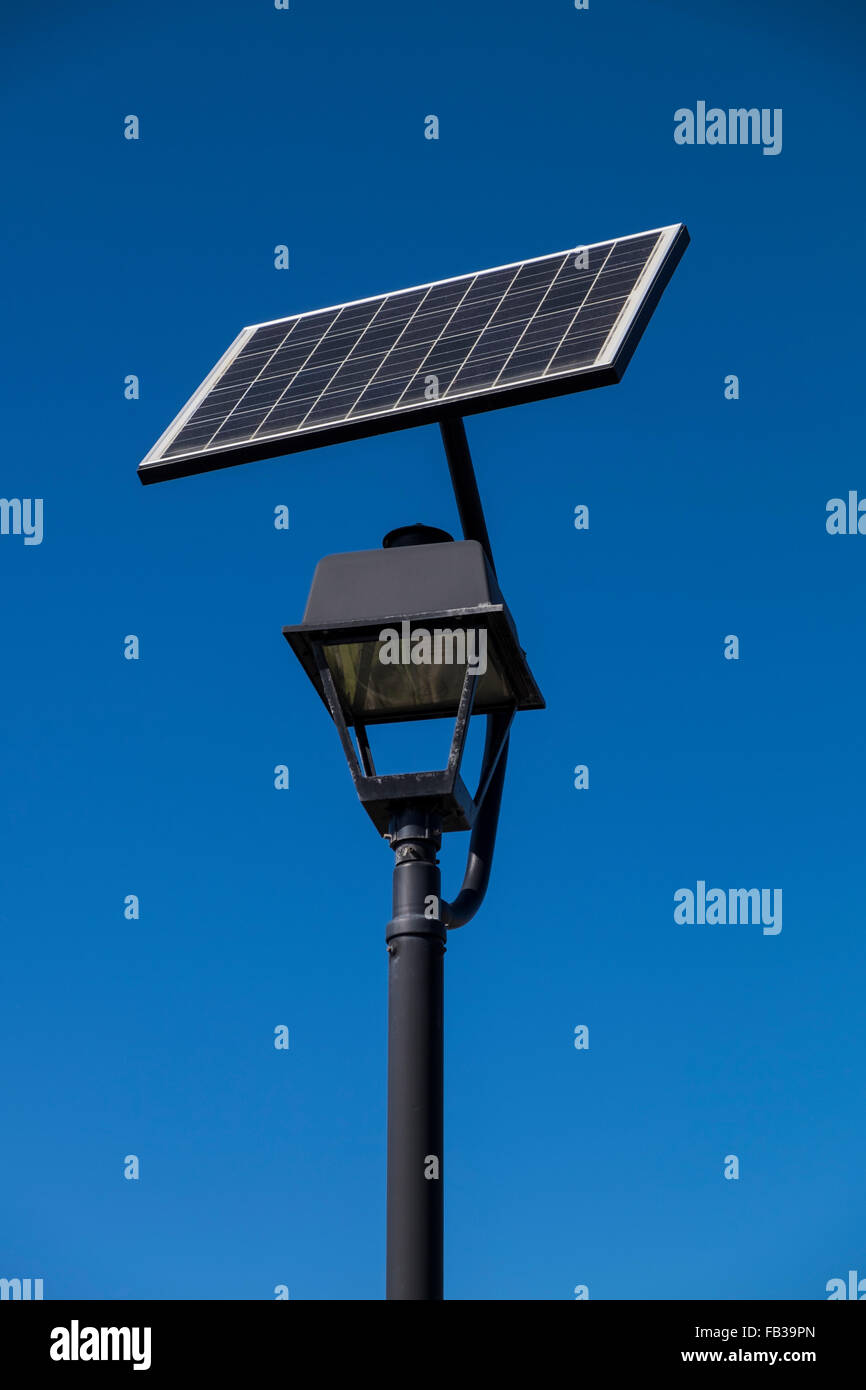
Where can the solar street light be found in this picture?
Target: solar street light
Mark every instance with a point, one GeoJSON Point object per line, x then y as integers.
{"type": "Point", "coordinates": [431, 354]}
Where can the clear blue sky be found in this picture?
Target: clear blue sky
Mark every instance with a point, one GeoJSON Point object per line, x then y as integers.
{"type": "Point", "coordinates": [262, 907]}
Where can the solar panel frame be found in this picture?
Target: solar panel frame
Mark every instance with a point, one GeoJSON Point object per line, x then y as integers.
{"type": "Point", "coordinates": [606, 368]}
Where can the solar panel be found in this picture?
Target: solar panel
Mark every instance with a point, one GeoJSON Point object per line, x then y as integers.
{"type": "Point", "coordinates": [520, 332]}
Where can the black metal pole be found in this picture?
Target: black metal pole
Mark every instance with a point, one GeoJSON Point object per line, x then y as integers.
{"type": "Point", "coordinates": [416, 948]}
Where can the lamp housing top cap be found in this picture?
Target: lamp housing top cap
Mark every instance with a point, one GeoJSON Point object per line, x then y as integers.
{"type": "Point", "coordinates": [411, 581]}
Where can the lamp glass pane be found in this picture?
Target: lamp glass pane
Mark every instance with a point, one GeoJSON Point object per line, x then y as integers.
{"type": "Point", "coordinates": [416, 672]}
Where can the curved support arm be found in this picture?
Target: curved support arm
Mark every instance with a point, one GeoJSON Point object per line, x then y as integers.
{"type": "Point", "coordinates": [465, 484]}
{"type": "Point", "coordinates": [483, 838]}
